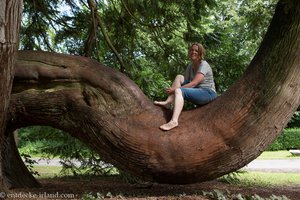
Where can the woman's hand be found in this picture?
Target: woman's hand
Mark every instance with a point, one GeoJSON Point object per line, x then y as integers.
{"type": "Point", "coordinates": [170, 90]}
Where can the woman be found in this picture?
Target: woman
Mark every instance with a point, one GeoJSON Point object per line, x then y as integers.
{"type": "Point", "coordinates": [197, 86]}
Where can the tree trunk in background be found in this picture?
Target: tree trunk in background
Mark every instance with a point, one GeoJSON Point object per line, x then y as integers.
{"type": "Point", "coordinates": [107, 111]}
{"type": "Point", "coordinates": [10, 18]}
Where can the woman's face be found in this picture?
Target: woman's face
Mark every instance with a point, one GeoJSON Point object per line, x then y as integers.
{"type": "Point", "coordinates": [194, 53]}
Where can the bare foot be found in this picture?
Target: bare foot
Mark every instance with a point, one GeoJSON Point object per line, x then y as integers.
{"type": "Point", "coordinates": [164, 104]}
{"type": "Point", "coordinates": [169, 126]}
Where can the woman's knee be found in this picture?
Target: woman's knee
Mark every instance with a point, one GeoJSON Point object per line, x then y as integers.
{"type": "Point", "coordinates": [180, 78]}
{"type": "Point", "coordinates": [178, 92]}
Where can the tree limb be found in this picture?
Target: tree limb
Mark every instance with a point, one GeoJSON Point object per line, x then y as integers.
{"type": "Point", "coordinates": [93, 8]}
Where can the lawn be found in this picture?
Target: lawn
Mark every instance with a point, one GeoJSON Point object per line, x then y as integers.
{"type": "Point", "coordinates": [246, 178]}
{"type": "Point", "coordinates": [52, 171]}
{"type": "Point", "coordinates": [256, 184]}
{"type": "Point", "coordinates": [47, 171]}
{"type": "Point", "coordinates": [277, 155]}
{"type": "Point", "coordinates": [268, 178]}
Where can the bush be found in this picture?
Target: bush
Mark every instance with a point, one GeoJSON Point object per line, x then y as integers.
{"type": "Point", "coordinates": [295, 120]}
{"type": "Point", "coordinates": [289, 139]}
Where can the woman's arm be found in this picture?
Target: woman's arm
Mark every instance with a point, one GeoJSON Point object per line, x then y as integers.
{"type": "Point", "coordinates": [196, 80]}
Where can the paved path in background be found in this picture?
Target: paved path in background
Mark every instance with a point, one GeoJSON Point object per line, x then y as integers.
{"type": "Point", "coordinates": [274, 165]}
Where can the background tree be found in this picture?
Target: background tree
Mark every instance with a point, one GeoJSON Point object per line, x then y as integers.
{"type": "Point", "coordinates": [151, 37]}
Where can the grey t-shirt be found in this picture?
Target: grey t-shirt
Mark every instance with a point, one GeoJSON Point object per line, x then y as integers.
{"type": "Point", "coordinates": [206, 70]}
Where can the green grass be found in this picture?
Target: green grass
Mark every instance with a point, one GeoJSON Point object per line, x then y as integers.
{"type": "Point", "coordinates": [269, 178]}
{"type": "Point", "coordinates": [265, 155]}
{"type": "Point", "coordinates": [47, 171]}
{"type": "Point", "coordinates": [246, 178]}
{"type": "Point", "coordinates": [277, 155]}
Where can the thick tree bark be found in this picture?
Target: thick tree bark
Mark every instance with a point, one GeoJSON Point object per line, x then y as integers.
{"type": "Point", "coordinates": [10, 17]}
{"type": "Point", "coordinates": [107, 111]}
{"type": "Point", "coordinates": [15, 173]}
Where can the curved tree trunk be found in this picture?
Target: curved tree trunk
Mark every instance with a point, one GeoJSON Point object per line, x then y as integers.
{"type": "Point", "coordinates": [107, 111]}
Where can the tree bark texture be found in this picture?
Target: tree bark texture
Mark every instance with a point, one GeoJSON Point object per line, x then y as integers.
{"type": "Point", "coordinates": [10, 18]}
{"type": "Point", "coordinates": [107, 111]}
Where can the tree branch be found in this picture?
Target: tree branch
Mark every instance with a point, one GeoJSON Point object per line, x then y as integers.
{"type": "Point", "coordinates": [93, 30]}
{"type": "Point", "coordinates": [93, 8]}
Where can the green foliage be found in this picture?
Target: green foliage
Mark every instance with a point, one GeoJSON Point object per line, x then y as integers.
{"type": "Point", "coordinates": [131, 179]}
{"type": "Point", "coordinates": [29, 162]}
{"type": "Point", "coordinates": [295, 121]}
{"type": "Point", "coordinates": [232, 177]}
{"type": "Point", "coordinates": [151, 82]}
{"type": "Point", "coordinates": [152, 37]}
{"type": "Point", "coordinates": [90, 196]}
{"type": "Point", "coordinates": [289, 139]}
{"type": "Point", "coordinates": [48, 142]}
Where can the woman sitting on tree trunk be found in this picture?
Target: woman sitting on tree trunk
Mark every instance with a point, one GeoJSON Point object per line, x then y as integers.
{"type": "Point", "coordinates": [197, 86]}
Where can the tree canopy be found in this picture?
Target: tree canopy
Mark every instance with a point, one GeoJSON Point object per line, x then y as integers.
{"type": "Point", "coordinates": [147, 40]}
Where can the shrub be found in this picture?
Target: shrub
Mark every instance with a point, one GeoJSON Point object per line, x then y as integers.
{"type": "Point", "coordinates": [289, 139]}
{"type": "Point", "coordinates": [295, 120]}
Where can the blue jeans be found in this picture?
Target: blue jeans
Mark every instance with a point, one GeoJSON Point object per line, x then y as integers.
{"type": "Point", "coordinates": [199, 96]}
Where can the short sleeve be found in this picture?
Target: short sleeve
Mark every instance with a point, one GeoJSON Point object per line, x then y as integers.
{"type": "Point", "coordinates": [204, 68]}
